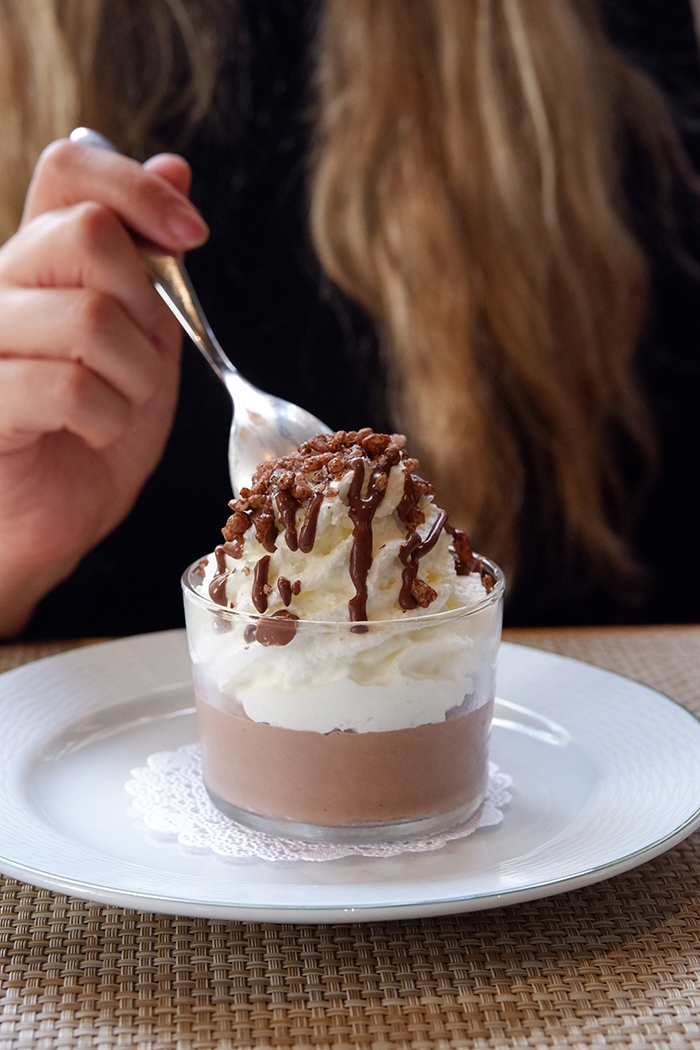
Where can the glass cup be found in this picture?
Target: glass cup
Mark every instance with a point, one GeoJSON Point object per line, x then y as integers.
{"type": "Point", "coordinates": [345, 732]}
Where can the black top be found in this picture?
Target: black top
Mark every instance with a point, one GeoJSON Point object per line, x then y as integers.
{"type": "Point", "coordinates": [292, 333]}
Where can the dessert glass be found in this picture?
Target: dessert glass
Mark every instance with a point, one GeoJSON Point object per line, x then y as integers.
{"type": "Point", "coordinates": [344, 732]}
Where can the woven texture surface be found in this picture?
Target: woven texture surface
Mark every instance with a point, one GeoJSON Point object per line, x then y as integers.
{"type": "Point", "coordinates": [613, 965]}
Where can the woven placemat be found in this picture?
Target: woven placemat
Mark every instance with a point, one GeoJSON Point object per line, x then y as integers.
{"type": "Point", "coordinates": [612, 965]}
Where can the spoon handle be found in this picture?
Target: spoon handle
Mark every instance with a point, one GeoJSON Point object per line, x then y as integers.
{"type": "Point", "coordinates": [173, 284]}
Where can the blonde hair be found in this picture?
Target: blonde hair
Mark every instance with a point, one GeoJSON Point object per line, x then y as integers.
{"type": "Point", "coordinates": [142, 71]}
{"type": "Point", "coordinates": [466, 189]}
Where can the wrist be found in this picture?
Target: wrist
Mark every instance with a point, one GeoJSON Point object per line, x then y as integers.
{"type": "Point", "coordinates": [21, 590]}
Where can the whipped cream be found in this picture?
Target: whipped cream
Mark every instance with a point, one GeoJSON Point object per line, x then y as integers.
{"type": "Point", "coordinates": [395, 676]}
{"type": "Point", "coordinates": [344, 532]}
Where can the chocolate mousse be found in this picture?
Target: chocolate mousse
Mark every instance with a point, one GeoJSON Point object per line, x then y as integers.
{"type": "Point", "coordinates": [345, 778]}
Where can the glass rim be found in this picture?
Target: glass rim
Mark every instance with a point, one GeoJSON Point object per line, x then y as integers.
{"type": "Point", "coordinates": [399, 622]}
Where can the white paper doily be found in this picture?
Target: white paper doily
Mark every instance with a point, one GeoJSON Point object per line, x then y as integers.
{"type": "Point", "coordinates": [169, 794]}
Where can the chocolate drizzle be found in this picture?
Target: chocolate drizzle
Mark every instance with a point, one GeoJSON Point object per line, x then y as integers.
{"type": "Point", "coordinates": [288, 507]}
{"type": "Point", "coordinates": [261, 588]}
{"type": "Point", "coordinates": [362, 511]}
{"type": "Point", "coordinates": [267, 536]}
{"type": "Point", "coordinates": [407, 508]}
{"type": "Point", "coordinates": [307, 534]}
{"type": "Point", "coordinates": [217, 587]}
{"type": "Point", "coordinates": [278, 629]}
{"type": "Point", "coordinates": [410, 554]}
{"type": "Point", "coordinates": [287, 589]}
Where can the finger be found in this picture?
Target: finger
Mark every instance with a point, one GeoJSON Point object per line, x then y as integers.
{"type": "Point", "coordinates": [173, 168]}
{"type": "Point", "coordinates": [85, 246]}
{"type": "Point", "coordinates": [84, 327]}
{"type": "Point", "coordinates": [68, 172]}
{"type": "Point", "coordinates": [40, 397]}
{"type": "Point", "coordinates": [178, 173]}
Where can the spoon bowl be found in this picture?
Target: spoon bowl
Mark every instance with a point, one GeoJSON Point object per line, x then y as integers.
{"type": "Point", "coordinates": [263, 427]}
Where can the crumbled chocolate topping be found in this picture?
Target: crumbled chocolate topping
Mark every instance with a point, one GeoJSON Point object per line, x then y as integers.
{"type": "Point", "coordinates": [465, 559]}
{"type": "Point", "coordinates": [306, 476]}
{"type": "Point", "coordinates": [423, 594]}
{"type": "Point", "coordinates": [304, 479]}
{"type": "Point", "coordinates": [462, 552]}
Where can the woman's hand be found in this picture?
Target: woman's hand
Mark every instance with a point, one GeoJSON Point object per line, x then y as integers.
{"type": "Point", "coordinates": [89, 359]}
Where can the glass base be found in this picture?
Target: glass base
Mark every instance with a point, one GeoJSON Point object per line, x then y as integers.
{"type": "Point", "coordinates": [348, 834]}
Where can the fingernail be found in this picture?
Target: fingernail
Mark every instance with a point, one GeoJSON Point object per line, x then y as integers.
{"type": "Point", "coordinates": [188, 227]}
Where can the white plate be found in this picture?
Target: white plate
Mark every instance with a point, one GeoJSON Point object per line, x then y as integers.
{"type": "Point", "coordinates": [605, 775]}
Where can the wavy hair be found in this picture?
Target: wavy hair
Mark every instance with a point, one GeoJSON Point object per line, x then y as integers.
{"type": "Point", "coordinates": [142, 71]}
{"type": "Point", "coordinates": [466, 188]}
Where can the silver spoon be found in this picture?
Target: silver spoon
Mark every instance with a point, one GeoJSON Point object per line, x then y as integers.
{"type": "Point", "coordinates": [263, 427]}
